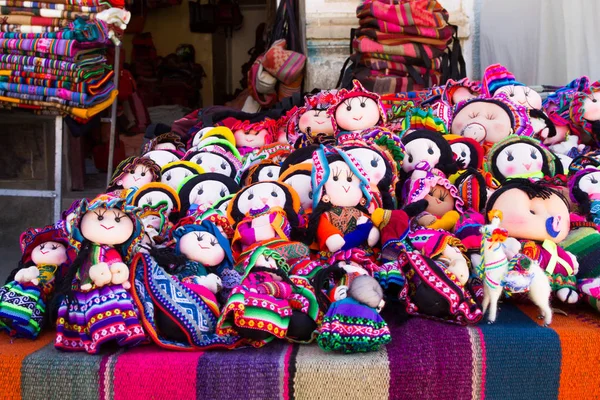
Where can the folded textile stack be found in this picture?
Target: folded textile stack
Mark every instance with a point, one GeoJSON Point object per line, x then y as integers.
{"type": "Point", "coordinates": [402, 45]}
{"type": "Point", "coordinates": [53, 55]}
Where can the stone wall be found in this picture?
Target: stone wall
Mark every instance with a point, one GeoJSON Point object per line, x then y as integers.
{"type": "Point", "coordinates": [327, 26]}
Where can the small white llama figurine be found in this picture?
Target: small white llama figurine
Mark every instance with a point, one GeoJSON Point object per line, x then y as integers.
{"type": "Point", "coordinates": [519, 274]}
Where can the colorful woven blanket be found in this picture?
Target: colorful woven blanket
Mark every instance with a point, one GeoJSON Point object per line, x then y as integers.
{"type": "Point", "coordinates": [515, 358]}
{"type": "Point", "coordinates": [49, 6]}
{"type": "Point", "coordinates": [80, 30]}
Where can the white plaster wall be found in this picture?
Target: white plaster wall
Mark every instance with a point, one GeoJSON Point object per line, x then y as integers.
{"type": "Point", "coordinates": [326, 27]}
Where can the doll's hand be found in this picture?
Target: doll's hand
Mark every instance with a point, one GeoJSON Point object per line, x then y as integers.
{"type": "Point", "coordinates": [120, 275]}
{"type": "Point", "coordinates": [264, 232]}
{"type": "Point", "coordinates": [575, 262]}
{"type": "Point", "coordinates": [27, 275]}
{"type": "Point", "coordinates": [373, 237]}
{"type": "Point", "coordinates": [100, 275]}
{"type": "Point", "coordinates": [261, 221]}
{"type": "Point", "coordinates": [335, 243]}
{"type": "Point", "coordinates": [426, 220]}
{"type": "Point", "coordinates": [211, 281]}
{"type": "Point", "coordinates": [340, 293]}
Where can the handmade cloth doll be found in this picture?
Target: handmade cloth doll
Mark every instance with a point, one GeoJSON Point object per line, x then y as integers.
{"type": "Point", "coordinates": [219, 132]}
{"type": "Point", "coordinates": [134, 172]}
{"type": "Point", "coordinates": [163, 157]}
{"type": "Point", "coordinates": [520, 157]}
{"type": "Point", "coordinates": [24, 298]}
{"type": "Point", "coordinates": [357, 110]}
{"type": "Point", "coordinates": [453, 93]}
{"type": "Point", "coordinates": [353, 324]}
{"type": "Point", "coordinates": [166, 141]}
{"type": "Point", "coordinates": [584, 189]}
{"type": "Point", "coordinates": [468, 153]}
{"type": "Point", "coordinates": [268, 303]}
{"type": "Point", "coordinates": [425, 145]}
{"type": "Point", "coordinates": [218, 156]}
{"type": "Point", "coordinates": [275, 152]}
{"type": "Point", "coordinates": [264, 171]}
{"type": "Point", "coordinates": [155, 220]}
{"type": "Point", "coordinates": [584, 111]}
{"type": "Point", "coordinates": [95, 305]}
{"type": "Point", "coordinates": [299, 178]}
{"type": "Point", "coordinates": [198, 193]}
{"type": "Point", "coordinates": [538, 216]}
{"type": "Point", "coordinates": [299, 156]}
{"type": "Point", "coordinates": [153, 193]}
{"type": "Point", "coordinates": [311, 124]}
{"type": "Point", "coordinates": [250, 136]}
{"type": "Point", "coordinates": [489, 120]}
{"type": "Point", "coordinates": [420, 119]}
{"type": "Point", "coordinates": [497, 79]}
{"type": "Point", "coordinates": [444, 203]}
{"type": "Point", "coordinates": [339, 220]}
{"type": "Point", "coordinates": [261, 213]}
{"type": "Point", "coordinates": [174, 173]}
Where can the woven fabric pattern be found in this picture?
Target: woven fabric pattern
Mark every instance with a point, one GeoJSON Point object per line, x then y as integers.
{"type": "Point", "coordinates": [514, 358]}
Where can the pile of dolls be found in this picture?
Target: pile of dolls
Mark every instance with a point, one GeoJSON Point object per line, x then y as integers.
{"type": "Point", "coordinates": [304, 228]}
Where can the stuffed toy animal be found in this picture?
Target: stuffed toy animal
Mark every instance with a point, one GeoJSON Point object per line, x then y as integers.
{"type": "Point", "coordinates": [30, 287]}
{"type": "Point", "coordinates": [134, 172]}
{"type": "Point", "coordinates": [353, 324]}
{"type": "Point", "coordinates": [269, 303]}
{"type": "Point", "coordinates": [99, 276]}
{"type": "Point", "coordinates": [502, 269]}
{"type": "Point", "coordinates": [339, 220]}
{"type": "Point", "coordinates": [538, 216]}
{"type": "Point", "coordinates": [176, 172]}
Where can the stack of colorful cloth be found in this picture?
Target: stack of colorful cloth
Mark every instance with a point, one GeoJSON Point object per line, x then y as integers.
{"type": "Point", "coordinates": [53, 55]}
{"type": "Point", "coordinates": [401, 45]}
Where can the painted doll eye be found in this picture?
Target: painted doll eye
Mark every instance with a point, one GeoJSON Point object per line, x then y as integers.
{"type": "Point", "coordinates": [363, 105]}
{"type": "Point", "coordinates": [251, 195]}
{"type": "Point", "coordinates": [509, 156]}
{"type": "Point", "coordinates": [223, 165]}
{"type": "Point", "coordinates": [430, 151]}
{"type": "Point", "coordinates": [374, 162]}
{"type": "Point", "coordinates": [270, 174]}
{"type": "Point", "coordinates": [223, 192]}
{"type": "Point", "coordinates": [213, 242]}
{"type": "Point", "coordinates": [274, 194]}
{"type": "Point", "coordinates": [200, 237]}
{"type": "Point", "coordinates": [310, 195]}
{"type": "Point", "coordinates": [463, 154]}
{"type": "Point", "coordinates": [199, 160]}
{"type": "Point", "coordinates": [54, 247]}
{"type": "Point", "coordinates": [533, 155]}
{"type": "Point", "coordinates": [201, 190]}
{"type": "Point", "coordinates": [168, 177]}
{"type": "Point", "coordinates": [42, 246]}
{"type": "Point", "coordinates": [410, 158]}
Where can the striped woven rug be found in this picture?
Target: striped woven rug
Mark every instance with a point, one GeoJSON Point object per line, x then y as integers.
{"type": "Point", "coordinates": [515, 358]}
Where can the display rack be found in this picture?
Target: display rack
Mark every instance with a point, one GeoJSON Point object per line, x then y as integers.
{"type": "Point", "coordinates": [56, 193]}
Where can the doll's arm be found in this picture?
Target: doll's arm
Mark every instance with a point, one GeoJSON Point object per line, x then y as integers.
{"type": "Point", "coordinates": [447, 222]}
{"type": "Point", "coordinates": [325, 231]}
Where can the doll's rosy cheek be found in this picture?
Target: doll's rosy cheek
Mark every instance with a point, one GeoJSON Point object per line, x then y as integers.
{"type": "Point", "coordinates": [539, 165]}
{"type": "Point", "coordinates": [499, 127]}
{"type": "Point", "coordinates": [592, 110]}
{"type": "Point", "coordinates": [509, 170]}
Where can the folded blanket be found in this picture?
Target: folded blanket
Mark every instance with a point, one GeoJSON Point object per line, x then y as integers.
{"type": "Point", "coordinates": [76, 75]}
{"type": "Point", "coordinates": [401, 38]}
{"type": "Point", "coordinates": [34, 21]}
{"type": "Point", "coordinates": [92, 86]}
{"type": "Point", "coordinates": [47, 93]}
{"type": "Point", "coordinates": [45, 12]}
{"type": "Point", "coordinates": [90, 3]}
{"type": "Point", "coordinates": [83, 113]}
{"type": "Point", "coordinates": [377, 64]}
{"type": "Point", "coordinates": [442, 33]}
{"type": "Point", "coordinates": [50, 6]}
{"type": "Point", "coordinates": [435, 63]}
{"type": "Point", "coordinates": [82, 59]}
{"type": "Point", "coordinates": [27, 28]}
{"type": "Point", "coordinates": [364, 44]}
{"type": "Point", "coordinates": [83, 31]}
{"type": "Point", "coordinates": [59, 47]}
{"type": "Point", "coordinates": [48, 63]}
{"type": "Point", "coordinates": [422, 13]}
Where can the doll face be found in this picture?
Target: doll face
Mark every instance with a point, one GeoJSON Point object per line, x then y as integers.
{"type": "Point", "coordinates": [519, 159]}
{"type": "Point", "coordinates": [315, 122]}
{"type": "Point", "coordinates": [440, 201]}
{"type": "Point", "coordinates": [357, 114]}
{"type": "Point", "coordinates": [343, 187]}
{"type": "Point", "coordinates": [140, 176]}
{"type": "Point", "coordinates": [153, 221]}
{"type": "Point", "coordinates": [591, 105]}
{"type": "Point", "coordinates": [266, 262]}
{"type": "Point", "coordinates": [270, 173]}
{"type": "Point", "coordinates": [50, 252]}
{"type": "Point", "coordinates": [174, 176]}
{"type": "Point", "coordinates": [590, 183]}
{"type": "Point", "coordinates": [154, 197]}
{"type": "Point", "coordinates": [212, 163]}
{"type": "Point", "coordinates": [561, 135]}
{"type": "Point", "coordinates": [533, 219]}
{"type": "Point", "coordinates": [420, 150]}
{"type": "Point", "coordinates": [165, 146]}
{"type": "Point", "coordinates": [522, 95]}
{"type": "Point", "coordinates": [223, 206]}
{"type": "Point", "coordinates": [303, 186]}
{"type": "Point", "coordinates": [260, 195]}
{"type": "Point", "coordinates": [207, 193]}
{"type": "Point", "coordinates": [461, 94]}
{"type": "Point", "coordinates": [372, 162]}
{"type": "Point", "coordinates": [202, 247]}
{"type": "Point", "coordinates": [483, 122]}
{"type": "Point", "coordinates": [252, 138]}
{"type": "Point", "coordinates": [161, 157]}
{"type": "Point", "coordinates": [462, 152]}
{"type": "Point", "coordinates": [106, 226]}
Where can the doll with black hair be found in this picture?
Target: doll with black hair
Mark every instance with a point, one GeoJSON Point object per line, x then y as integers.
{"type": "Point", "coordinates": [584, 189]}
{"type": "Point", "coordinates": [30, 287]}
{"type": "Point", "coordinates": [154, 193]}
{"type": "Point", "coordinates": [198, 193]}
{"type": "Point", "coordinates": [262, 213]}
{"type": "Point", "coordinates": [340, 219]}
{"type": "Point", "coordinates": [538, 216]}
{"type": "Point", "coordinates": [263, 171]}
{"type": "Point", "coordinates": [95, 304]}
{"type": "Point", "coordinates": [520, 157]}
{"type": "Point", "coordinates": [299, 156]}
{"type": "Point", "coordinates": [165, 141]}
{"type": "Point", "coordinates": [133, 172]}
{"type": "Point", "coordinates": [176, 172]}
{"type": "Point", "coordinates": [430, 146]}
{"type": "Point", "coordinates": [217, 156]}
{"type": "Point", "coordinates": [269, 303]}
